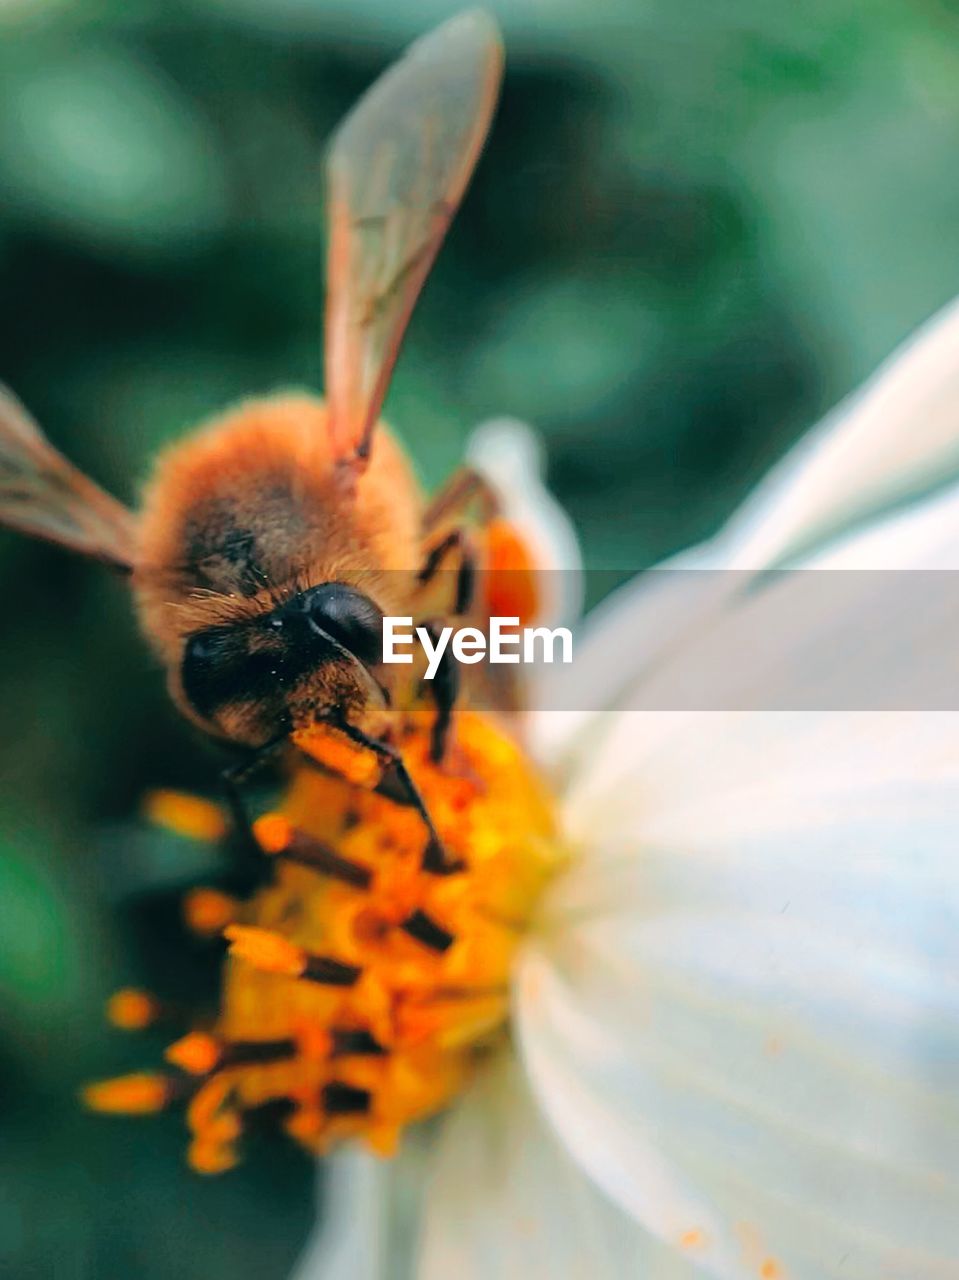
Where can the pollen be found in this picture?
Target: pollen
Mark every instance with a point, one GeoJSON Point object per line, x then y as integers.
{"type": "Point", "coordinates": [208, 911]}
{"type": "Point", "coordinates": [137, 1094]}
{"type": "Point", "coordinates": [693, 1239]}
{"type": "Point", "coordinates": [273, 832]}
{"type": "Point", "coordinates": [360, 985]}
{"type": "Point", "coordinates": [131, 1009]}
{"type": "Point", "coordinates": [336, 752]}
{"type": "Point", "coordinates": [211, 1157]}
{"type": "Point", "coordinates": [196, 1053]}
{"type": "Point", "coordinates": [266, 950]}
{"type": "Point", "coordinates": [186, 815]}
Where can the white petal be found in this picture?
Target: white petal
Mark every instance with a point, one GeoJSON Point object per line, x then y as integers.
{"type": "Point", "coordinates": [645, 622]}
{"type": "Point", "coordinates": [744, 1002]}
{"type": "Point", "coordinates": [368, 1212]}
{"type": "Point", "coordinates": [505, 1200]}
{"type": "Point", "coordinates": [923, 536]}
{"type": "Point", "coordinates": [896, 437]}
{"type": "Point", "coordinates": [804, 640]}
{"type": "Point", "coordinates": [511, 456]}
{"type": "Point", "coordinates": [350, 1242]}
{"type": "Point", "coordinates": [619, 641]}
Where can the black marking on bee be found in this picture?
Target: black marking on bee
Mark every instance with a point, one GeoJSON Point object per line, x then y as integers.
{"type": "Point", "coordinates": [221, 552]}
{"type": "Point", "coordinates": [240, 543]}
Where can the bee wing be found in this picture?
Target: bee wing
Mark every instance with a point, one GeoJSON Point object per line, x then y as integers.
{"type": "Point", "coordinates": [43, 495]}
{"type": "Point", "coordinates": [396, 172]}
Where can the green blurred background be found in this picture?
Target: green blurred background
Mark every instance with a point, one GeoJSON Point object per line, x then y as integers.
{"type": "Point", "coordinates": [696, 226]}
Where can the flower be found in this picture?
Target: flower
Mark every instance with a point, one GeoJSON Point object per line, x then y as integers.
{"type": "Point", "coordinates": [366, 974]}
{"type": "Point", "coordinates": [735, 1013]}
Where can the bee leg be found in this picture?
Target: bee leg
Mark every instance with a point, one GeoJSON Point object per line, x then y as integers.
{"type": "Point", "coordinates": [468, 495]}
{"type": "Point", "coordinates": [458, 541]}
{"type": "Point", "coordinates": [444, 690]}
{"type": "Point", "coordinates": [435, 857]}
{"type": "Point", "coordinates": [465, 489]}
{"type": "Point", "coordinates": [233, 778]}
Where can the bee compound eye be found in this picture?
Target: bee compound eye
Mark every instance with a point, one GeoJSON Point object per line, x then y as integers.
{"type": "Point", "coordinates": [198, 669]}
{"type": "Point", "coordinates": [223, 669]}
{"type": "Point", "coordinates": [199, 648]}
{"type": "Point", "coordinates": [347, 616]}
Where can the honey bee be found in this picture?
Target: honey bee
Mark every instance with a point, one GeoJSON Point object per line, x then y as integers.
{"type": "Point", "coordinates": [271, 542]}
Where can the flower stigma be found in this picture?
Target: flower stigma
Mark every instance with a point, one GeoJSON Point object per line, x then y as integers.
{"type": "Point", "coordinates": [363, 982]}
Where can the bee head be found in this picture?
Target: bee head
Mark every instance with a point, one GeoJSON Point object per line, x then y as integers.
{"type": "Point", "coordinates": [256, 679]}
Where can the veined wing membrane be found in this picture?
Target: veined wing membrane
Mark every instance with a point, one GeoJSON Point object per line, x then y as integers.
{"type": "Point", "coordinates": [44, 495]}
{"type": "Point", "coordinates": [396, 172]}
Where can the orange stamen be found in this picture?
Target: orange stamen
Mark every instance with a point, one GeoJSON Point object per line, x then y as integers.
{"type": "Point", "coordinates": [315, 1041]}
{"type": "Point", "coordinates": [196, 1053]}
{"type": "Point", "coordinates": [186, 815]}
{"type": "Point", "coordinates": [208, 911]}
{"type": "Point", "coordinates": [383, 1139]}
{"type": "Point", "coordinates": [306, 1124]}
{"type": "Point", "coordinates": [137, 1094]}
{"type": "Point", "coordinates": [273, 832]}
{"type": "Point", "coordinates": [273, 953]}
{"type": "Point", "coordinates": [131, 1009]}
{"type": "Point", "coordinates": [276, 835]}
{"type": "Point", "coordinates": [340, 755]}
{"type": "Point", "coordinates": [204, 1114]}
{"type": "Point", "coordinates": [450, 1023]}
{"type": "Point", "coordinates": [211, 1157]}
{"type": "Point", "coordinates": [264, 949]}
{"type": "Point", "coordinates": [359, 986]}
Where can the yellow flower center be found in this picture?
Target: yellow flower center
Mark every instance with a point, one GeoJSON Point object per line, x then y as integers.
{"type": "Point", "coordinates": [362, 981]}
